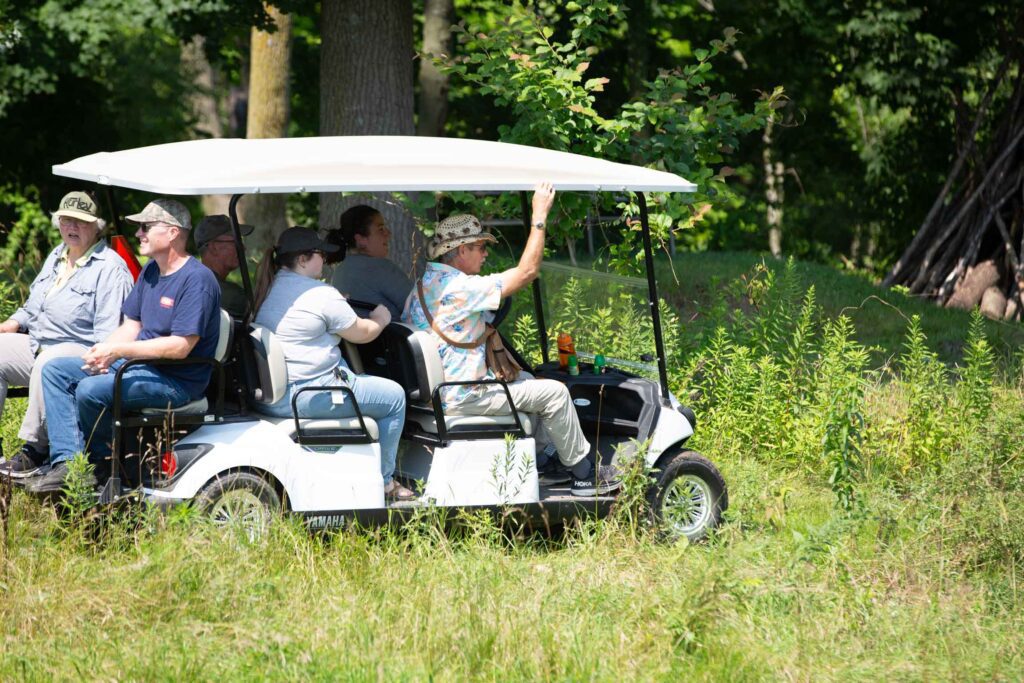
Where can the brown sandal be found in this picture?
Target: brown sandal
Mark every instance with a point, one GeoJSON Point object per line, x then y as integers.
{"type": "Point", "coordinates": [398, 493]}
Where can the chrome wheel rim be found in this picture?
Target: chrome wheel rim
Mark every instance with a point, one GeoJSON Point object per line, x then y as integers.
{"type": "Point", "coordinates": [241, 509]}
{"type": "Point", "coordinates": [686, 505]}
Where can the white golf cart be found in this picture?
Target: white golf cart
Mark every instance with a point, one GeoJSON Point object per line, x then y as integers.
{"type": "Point", "coordinates": [239, 463]}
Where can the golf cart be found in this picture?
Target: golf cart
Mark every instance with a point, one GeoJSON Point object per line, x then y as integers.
{"type": "Point", "coordinates": [224, 455]}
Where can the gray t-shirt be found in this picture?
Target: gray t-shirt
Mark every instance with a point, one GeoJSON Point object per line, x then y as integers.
{"type": "Point", "coordinates": [307, 316]}
{"type": "Point", "coordinates": [373, 280]}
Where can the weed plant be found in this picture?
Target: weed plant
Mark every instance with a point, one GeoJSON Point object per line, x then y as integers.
{"type": "Point", "coordinates": [874, 533]}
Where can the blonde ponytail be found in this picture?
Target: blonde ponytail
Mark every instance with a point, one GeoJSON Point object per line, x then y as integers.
{"type": "Point", "coordinates": [264, 278]}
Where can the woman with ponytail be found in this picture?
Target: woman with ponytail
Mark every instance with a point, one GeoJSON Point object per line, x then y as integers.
{"type": "Point", "coordinates": [364, 272]}
{"type": "Point", "coordinates": [310, 319]}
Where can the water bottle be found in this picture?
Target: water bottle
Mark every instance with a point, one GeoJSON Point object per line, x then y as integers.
{"type": "Point", "coordinates": [574, 365]}
{"type": "Point", "coordinates": [566, 348]}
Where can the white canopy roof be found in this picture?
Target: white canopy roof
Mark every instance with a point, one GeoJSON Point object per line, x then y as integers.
{"type": "Point", "coordinates": [357, 163]}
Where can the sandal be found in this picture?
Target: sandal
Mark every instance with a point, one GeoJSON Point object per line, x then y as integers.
{"type": "Point", "coordinates": [398, 493]}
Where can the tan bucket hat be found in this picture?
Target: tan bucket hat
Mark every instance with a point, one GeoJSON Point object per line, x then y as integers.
{"type": "Point", "coordinates": [455, 231]}
{"type": "Point", "coordinates": [78, 205]}
{"type": "Point", "coordinates": [169, 211]}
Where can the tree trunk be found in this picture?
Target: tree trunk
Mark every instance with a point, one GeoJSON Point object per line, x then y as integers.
{"type": "Point", "coordinates": [269, 71]}
{"type": "Point", "coordinates": [205, 106]}
{"type": "Point", "coordinates": [437, 42]}
{"type": "Point", "coordinates": [638, 47]}
{"type": "Point", "coordinates": [366, 88]}
{"type": "Point", "coordinates": [774, 192]}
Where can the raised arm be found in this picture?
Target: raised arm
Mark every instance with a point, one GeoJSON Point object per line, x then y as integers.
{"type": "Point", "coordinates": [514, 279]}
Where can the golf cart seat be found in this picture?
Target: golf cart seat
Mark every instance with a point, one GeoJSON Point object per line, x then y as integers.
{"type": "Point", "coordinates": [416, 365]}
{"type": "Point", "coordinates": [201, 405]}
{"type": "Point", "coordinates": [273, 383]}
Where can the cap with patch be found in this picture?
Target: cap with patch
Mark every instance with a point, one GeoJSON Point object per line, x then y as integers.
{"type": "Point", "coordinates": [78, 205]}
{"type": "Point", "coordinates": [455, 231]}
{"type": "Point", "coordinates": [169, 211]}
{"type": "Point", "coordinates": [212, 227]}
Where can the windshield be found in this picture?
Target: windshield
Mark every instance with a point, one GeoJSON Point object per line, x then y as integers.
{"type": "Point", "coordinates": [604, 313]}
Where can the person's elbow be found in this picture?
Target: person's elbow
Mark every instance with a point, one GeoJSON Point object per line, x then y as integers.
{"type": "Point", "coordinates": [180, 347]}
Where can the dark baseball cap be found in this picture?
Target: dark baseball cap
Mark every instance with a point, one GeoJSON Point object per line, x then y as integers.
{"type": "Point", "coordinates": [298, 239]}
{"type": "Point", "coordinates": [212, 227]}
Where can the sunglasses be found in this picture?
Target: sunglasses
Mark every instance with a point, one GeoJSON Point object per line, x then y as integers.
{"type": "Point", "coordinates": [145, 227]}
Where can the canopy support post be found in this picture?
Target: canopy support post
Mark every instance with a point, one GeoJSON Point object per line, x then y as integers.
{"type": "Point", "coordinates": [652, 297]}
{"type": "Point", "coordinates": [243, 264]}
{"type": "Point", "coordinates": [108, 192]}
{"type": "Point", "coordinates": [538, 300]}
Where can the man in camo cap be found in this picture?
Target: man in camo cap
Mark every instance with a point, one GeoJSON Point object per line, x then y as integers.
{"type": "Point", "coordinates": [173, 312]}
{"type": "Point", "coordinates": [457, 298]}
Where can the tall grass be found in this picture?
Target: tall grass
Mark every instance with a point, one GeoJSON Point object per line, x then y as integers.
{"type": "Point", "coordinates": [874, 533]}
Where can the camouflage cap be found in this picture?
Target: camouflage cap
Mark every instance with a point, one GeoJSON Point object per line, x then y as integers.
{"type": "Point", "coordinates": [78, 205]}
{"type": "Point", "coordinates": [169, 211]}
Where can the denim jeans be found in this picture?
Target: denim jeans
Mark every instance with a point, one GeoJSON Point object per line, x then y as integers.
{"type": "Point", "coordinates": [379, 398]}
{"type": "Point", "coordinates": [78, 405]}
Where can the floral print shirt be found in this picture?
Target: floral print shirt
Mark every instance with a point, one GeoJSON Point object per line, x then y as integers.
{"type": "Point", "coordinates": [459, 304]}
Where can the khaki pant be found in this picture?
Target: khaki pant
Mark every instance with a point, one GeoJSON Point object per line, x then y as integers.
{"type": "Point", "coordinates": [19, 367]}
{"type": "Point", "coordinates": [549, 402]}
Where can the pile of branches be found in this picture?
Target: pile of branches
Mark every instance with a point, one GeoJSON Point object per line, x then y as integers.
{"type": "Point", "coordinates": [970, 249]}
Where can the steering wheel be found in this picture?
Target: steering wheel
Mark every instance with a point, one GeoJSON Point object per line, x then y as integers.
{"type": "Point", "coordinates": [502, 312]}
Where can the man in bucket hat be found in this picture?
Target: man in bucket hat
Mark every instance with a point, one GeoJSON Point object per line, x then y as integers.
{"type": "Point", "coordinates": [458, 298]}
{"type": "Point", "coordinates": [172, 313]}
{"type": "Point", "coordinates": [215, 243]}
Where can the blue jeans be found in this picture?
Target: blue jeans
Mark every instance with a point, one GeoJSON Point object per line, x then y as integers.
{"type": "Point", "coordinates": [379, 398]}
{"type": "Point", "coordinates": [78, 405]}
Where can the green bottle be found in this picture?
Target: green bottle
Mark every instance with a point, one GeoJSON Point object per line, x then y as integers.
{"type": "Point", "coordinates": [599, 364]}
{"type": "Point", "coordinates": [574, 365]}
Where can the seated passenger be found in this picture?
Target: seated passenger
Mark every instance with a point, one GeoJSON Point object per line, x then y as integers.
{"type": "Point", "coordinates": [458, 298]}
{"type": "Point", "coordinates": [364, 271]}
{"type": "Point", "coordinates": [215, 243]}
{"type": "Point", "coordinates": [310, 319]}
{"type": "Point", "coordinates": [74, 302]}
{"type": "Point", "coordinates": [173, 312]}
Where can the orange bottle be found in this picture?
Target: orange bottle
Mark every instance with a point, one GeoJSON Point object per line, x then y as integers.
{"type": "Point", "coordinates": [566, 348]}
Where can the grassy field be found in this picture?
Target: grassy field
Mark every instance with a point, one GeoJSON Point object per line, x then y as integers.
{"type": "Point", "coordinates": [919, 580]}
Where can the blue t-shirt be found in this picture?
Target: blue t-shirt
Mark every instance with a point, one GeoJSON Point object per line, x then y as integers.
{"type": "Point", "coordinates": [184, 303]}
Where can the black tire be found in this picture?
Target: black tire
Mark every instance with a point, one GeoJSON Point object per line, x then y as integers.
{"type": "Point", "coordinates": [689, 496]}
{"type": "Point", "coordinates": [240, 499]}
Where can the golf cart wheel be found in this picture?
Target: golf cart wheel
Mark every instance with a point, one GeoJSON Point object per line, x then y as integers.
{"type": "Point", "coordinates": [689, 496]}
{"type": "Point", "coordinates": [240, 500]}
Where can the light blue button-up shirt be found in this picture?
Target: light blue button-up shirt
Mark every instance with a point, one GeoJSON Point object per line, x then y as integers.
{"type": "Point", "coordinates": [86, 309]}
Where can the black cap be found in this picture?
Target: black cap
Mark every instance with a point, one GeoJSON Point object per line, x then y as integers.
{"type": "Point", "coordinates": [212, 227]}
{"type": "Point", "coordinates": [298, 239]}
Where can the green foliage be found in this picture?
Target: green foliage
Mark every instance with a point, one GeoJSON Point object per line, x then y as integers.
{"type": "Point", "coordinates": [29, 238]}
{"type": "Point", "coordinates": [678, 123]}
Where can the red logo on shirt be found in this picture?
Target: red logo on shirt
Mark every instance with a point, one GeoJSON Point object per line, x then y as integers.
{"type": "Point", "coordinates": [166, 301]}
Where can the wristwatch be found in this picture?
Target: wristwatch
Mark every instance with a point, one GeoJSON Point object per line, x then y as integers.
{"type": "Point", "coordinates": [539, 224]}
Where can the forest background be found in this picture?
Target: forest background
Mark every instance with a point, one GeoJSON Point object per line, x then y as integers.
{"type": "Point", "coordinates": [816, 129]}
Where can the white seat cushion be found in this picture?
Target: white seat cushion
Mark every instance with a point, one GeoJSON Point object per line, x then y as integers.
{"type": "Point", "coordinates": [287, 424]}
{"type": "Point", "coordinates": [424, 417]}
{"type": "Point", "coordinates": [197, 407]}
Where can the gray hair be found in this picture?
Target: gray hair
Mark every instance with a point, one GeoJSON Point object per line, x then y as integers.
{"type": "Point", "coordinates": [449, 256]}
{"type": "Point", "coordinates": [101, 224]}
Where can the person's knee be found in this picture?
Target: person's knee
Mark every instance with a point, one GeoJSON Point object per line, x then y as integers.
{"type": "Point", "coordinates": [93, 391]}
{"type": "Point", "coordinates": [60, 372]}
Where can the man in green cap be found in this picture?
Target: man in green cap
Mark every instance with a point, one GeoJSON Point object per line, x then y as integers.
{"type": "Point", "coordinates": [216, 246]}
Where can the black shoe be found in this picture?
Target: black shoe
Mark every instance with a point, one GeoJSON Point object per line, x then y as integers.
{"type": "Point", "coordinates": [54, 480]}
{"type": "Point", "coordinates": [553, 472]}
{"type": "Point", "coordinates": [606, 481]}
{"type": "Point", "coordinates": [25, 464]}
